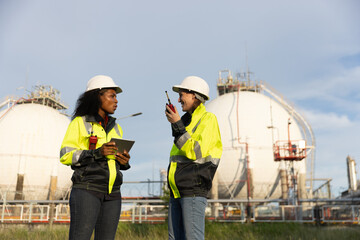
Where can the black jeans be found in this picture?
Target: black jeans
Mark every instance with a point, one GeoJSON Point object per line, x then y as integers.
{"type": "Point", "coordinates": [88, 212]}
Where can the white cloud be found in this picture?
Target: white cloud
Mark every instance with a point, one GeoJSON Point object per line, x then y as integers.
{"type": "Point", "coordinates": [339, 84]}
{"type": "Point", "coordinates": [339, 91]}
{"type": "Point", "coordinates": [323, 121]}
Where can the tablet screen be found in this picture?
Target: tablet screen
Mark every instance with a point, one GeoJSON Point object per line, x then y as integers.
{"type": "Point", "coordinates": [123, 144]}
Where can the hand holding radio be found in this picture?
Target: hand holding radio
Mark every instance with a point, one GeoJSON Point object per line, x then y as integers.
{"type": "Point", "coordinates": [169, 104]}
{"type": "Point", "coordinates": [171, 112]}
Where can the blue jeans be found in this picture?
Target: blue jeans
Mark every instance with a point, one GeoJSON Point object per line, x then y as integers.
{"type": "Point", "coordinates": [88, 212]}
{"type": "Point", "coordinates": [187, 218]}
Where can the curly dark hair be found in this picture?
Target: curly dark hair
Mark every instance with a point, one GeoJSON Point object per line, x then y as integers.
{"type": "Point", "coordinates": [88, 103]}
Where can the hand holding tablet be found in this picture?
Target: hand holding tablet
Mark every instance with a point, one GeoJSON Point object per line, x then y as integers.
{"type": "Point", "coordinates": [123, 144]}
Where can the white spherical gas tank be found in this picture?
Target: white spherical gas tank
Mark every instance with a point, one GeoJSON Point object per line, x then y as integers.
{"type": "Point", "coordinates": [31, 136]}
{"type": "Point", "coordinates": [250, 123]}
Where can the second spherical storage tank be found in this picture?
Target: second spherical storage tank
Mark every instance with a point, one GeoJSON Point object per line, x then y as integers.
{"type": "Point", "coordinates": [31, 136]}
{"type": "Point", "coordinates": [250, 123]}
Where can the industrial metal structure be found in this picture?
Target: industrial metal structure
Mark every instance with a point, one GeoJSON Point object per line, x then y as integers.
{"type": "Point", "coordinates": [320, 211]}
{"type": "Point", "coordinates": [353, 190]}
{"type": "Point", "coordinates": [32, 129]}
{"type": "Point", "coordinates": [267, 144]}
{"type": "Point", "coordinates": [266, 172]}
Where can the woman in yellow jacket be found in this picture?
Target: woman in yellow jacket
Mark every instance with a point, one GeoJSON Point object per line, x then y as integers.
{"type": "Point", "coordinates": [95, 199]}
{"type": "Point", "coordinates": [194, 158]}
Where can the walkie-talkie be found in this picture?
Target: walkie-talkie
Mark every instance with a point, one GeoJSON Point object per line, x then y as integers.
{"type": "Point", "coordinates": [169, 104]}
{"type": "Point", "coordinates": [92, 141]}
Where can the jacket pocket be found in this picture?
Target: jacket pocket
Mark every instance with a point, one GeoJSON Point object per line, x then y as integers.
{"type": "Point", "coordinates": [186, 176]}
{"type": "Point", "coordinates": [119, 176]}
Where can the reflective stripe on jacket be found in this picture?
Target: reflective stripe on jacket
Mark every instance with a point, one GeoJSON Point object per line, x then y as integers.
{"type": "Point", "coordinates": [92, 171]}
{"type": "Point", "coordinates": [195, 156]}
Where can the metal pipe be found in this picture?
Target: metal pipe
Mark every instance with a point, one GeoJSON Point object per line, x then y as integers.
{"type": "Point", "coordinates": [132, 115]}
{"type": "Point", "coordinates": [341, 200]}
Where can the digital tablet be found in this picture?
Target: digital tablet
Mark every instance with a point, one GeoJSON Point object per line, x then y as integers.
{"type": "Point", "coordinates": [123, 144]}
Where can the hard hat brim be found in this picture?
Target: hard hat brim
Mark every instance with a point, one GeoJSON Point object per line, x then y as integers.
{"type": "Point", "coordinates": [117, 89]}
{"type": "Point", "coordinates": [177, 89]}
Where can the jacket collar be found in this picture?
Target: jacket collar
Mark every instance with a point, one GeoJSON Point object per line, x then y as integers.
{"type": "Point", "coordinates": [200, 110]}
{"type": "Point", "coordinates": [91, 118]}
{"type": "Point", "coordinates": [110, 124]}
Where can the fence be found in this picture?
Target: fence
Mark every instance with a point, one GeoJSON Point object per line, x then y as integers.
{"type": "Point", "coordinates": [222, 210]}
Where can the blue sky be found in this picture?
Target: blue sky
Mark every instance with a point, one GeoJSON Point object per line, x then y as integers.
{"type": "Point", "coordinates": [308, 50]}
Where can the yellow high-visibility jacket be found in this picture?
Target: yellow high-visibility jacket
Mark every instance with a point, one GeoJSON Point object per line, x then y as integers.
{"type": "Point", "coordinates": [195, 155]}
{"type": "Point", "coordinates": [92, 171]}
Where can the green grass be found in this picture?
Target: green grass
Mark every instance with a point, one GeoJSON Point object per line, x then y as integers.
{"type": "Point", "coordinates": [214, 231]}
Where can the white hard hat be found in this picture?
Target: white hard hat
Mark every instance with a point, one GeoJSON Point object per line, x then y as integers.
{"type": "Point", "coordinates": [195, 84]}
{"type": "Point", "coordinates": [100, 82]}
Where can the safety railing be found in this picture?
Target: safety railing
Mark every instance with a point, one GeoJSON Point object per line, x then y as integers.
{"type": "Point", "coordinates": [340, 213]}
{"type": "Point", "coordinates": [222, 210]}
